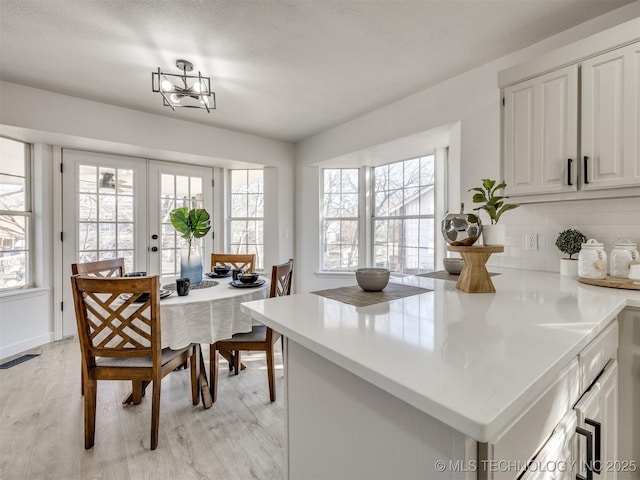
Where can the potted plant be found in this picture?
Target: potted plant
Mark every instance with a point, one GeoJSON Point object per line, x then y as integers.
{"type": "Point", "coordinates": [494, 205]}
{"type": "Point", "coordinates": [191, 224]}
{"type": "Point", "coordinates": [569, 242]}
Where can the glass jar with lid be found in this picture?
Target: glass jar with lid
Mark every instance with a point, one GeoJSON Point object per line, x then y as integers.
{"type": "Point", "coordinates": [592, 260]}
{"type": "Point", "coordinates": [624, 252]}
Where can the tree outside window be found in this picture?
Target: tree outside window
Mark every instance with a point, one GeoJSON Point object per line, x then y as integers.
{"type": "Point", "coordinates": [246, 220]}
{"type": "Point", "coordinates": [340, 221]}
{"type": "Point", "coordinates": [403, 215]}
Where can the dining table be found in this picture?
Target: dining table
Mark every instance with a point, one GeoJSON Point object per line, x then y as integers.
{"type": "Point", "coordinates": [210, 312]}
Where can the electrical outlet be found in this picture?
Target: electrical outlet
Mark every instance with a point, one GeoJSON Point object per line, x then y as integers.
{"type": "Point", "coordinates": [531, 241]}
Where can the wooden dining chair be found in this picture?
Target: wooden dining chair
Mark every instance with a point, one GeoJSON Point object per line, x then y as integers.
{"type": "Point", "coordinates": [120, 339]}
{"type": "Point", "coordinates": [261, 338]}
{"type": "Point", "coordinates": [103, 269]}
{"type": "Point", "coordinates": [245, 261]}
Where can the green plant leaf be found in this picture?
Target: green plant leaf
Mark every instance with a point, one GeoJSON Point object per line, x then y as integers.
{"type": "Point", "coordinates": [199, 222]}
{"type": "Point", "coordinates": [504, 208]}
{"type": "Point", "coordinates": [190, 223]}
{"type": "Point", "coordinates": [479, 198]}
{"type": "Point", "coordinates": [488, 184]}
{"type": "Point", "coordinates": [180, 221]}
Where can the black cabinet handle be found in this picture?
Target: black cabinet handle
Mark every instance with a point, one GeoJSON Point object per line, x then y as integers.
{"type": "Point", "coordinates": [569, 161]}
{"type": "Point", "coordinates": [589, 466]}
{"type": "Point", "coordinates": [586, 160]}
{"type": "Point", "coordinates": [597, 439]}
{"type": "Point", "coordinates": [154, 249]}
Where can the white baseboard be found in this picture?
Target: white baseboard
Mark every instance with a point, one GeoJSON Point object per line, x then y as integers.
{"type": "Point", "coordinates": [29, 343]}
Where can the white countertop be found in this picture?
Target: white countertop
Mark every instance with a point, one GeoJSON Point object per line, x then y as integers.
{"type": "Point", "coordinates": [473, 361]}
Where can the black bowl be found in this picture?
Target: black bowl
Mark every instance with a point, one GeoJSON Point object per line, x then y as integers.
{"type": "Point", "coordinates": [248, 277]}
{"type": "Point", "coordinates": [221, 270]}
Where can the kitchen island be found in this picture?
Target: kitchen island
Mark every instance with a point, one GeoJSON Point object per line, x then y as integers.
{"type": "Point", "coordinates": [390, 390]}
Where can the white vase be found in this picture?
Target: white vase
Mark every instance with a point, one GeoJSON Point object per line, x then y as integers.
{"type": "Point", "coordinates": [569, 267]}
{"type": "Point", "coordinates": [494, 234]}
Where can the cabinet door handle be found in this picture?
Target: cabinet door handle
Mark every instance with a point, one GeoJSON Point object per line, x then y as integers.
{"type": "Point", "coordinates": [586, 162]}
{"type": "Point", "coordinates": [569, 161]}
{"type": "Point", "coordinates": [589, 437]}
{"type": "Point", "coordinates": [597, 439]}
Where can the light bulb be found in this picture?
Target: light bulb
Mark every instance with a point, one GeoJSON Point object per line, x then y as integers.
{"type": "Point", "coordinates": [196, 87]}
{"type": "Point", "coordinates": [174, 98]}
{"type": "Point", "coordinates": [167, 86]}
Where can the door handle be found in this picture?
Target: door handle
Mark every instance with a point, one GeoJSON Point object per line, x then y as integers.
{"type": "Point", "coordinates": [589, 466]}
{"type": "Point", "coordinates": [586, 164]}
{"type": "Point", "coordinates": [569, 161]}
{"type": "Point", "coordinates": [597, 467]}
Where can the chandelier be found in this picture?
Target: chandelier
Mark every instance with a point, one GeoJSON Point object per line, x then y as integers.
{"type": "Point", "coordinates": [182, 90]}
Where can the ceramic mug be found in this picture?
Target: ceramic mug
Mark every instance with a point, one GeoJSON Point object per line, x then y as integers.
{"type": "Point", "coordinates": [182, 286]}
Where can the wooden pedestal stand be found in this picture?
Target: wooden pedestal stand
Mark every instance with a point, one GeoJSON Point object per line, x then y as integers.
{"type": "Point", "coordinates": [474, 277]}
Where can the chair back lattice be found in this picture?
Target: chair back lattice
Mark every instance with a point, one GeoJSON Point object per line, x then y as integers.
{"type": "Point", "coordinates": [245, 261]}
{"type": "Point", "coordinates": [117, 317]}
{"type": "Point", "coordinates": [281, 277]}
{"type": "Point", "coordinates": [101, 268]}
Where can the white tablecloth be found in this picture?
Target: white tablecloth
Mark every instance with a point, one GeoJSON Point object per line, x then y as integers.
{"type": "Point", "coordinates": [207, 315]}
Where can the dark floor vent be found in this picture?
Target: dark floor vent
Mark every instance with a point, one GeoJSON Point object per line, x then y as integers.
{"type": "Point", "coordinates": [18, 360]}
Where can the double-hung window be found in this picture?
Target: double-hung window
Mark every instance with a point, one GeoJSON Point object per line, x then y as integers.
{"type": "Point", "coordinates": [340, 220]}
{"type": "Point", "coordinates": [400, 227]}
{"type": "Point", "coordinates": [15, 214]}
{"type": "Point", "coordinates": [246, 219]}
{"type": "Point", "coordinates": [403, 215]}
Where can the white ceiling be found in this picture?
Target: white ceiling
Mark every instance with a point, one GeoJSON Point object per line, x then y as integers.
{"type": "Point", "coordinates": [281, 69]}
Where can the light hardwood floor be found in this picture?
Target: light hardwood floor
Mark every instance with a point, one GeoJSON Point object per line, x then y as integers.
{"type": "Point", "coordinates": [41, 425]}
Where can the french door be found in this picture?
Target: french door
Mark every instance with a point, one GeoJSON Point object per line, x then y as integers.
{"type": "Point", "coordinates": [115, 206]}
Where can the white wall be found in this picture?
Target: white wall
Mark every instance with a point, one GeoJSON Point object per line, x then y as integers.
{"type": "Point", "coordinates": [473, 100]}
{"type": "Point", "coordinates": [28, 318]}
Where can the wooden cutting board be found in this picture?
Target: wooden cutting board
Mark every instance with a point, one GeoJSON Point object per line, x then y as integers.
{"type": "Point", "coordinates": [612, 282]}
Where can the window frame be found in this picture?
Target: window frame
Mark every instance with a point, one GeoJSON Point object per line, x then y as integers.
{"type": "Point", "coordinates": [27, 213]}
{"type": "Point", "coordinates": [372, 217]}
{"type": "Point", "coordinates": [361, 227]}
{"type": "Point", "coordinates": [230, 219]}
{"type": "Point", "coordinates": [366, 220]}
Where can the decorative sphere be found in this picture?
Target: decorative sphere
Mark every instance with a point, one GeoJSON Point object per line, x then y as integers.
{"type": "Point", "coordinates": [462, 229]}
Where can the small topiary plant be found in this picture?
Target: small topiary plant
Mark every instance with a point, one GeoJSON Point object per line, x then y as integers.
{"type": "Point", "coordinates": [570, 241]}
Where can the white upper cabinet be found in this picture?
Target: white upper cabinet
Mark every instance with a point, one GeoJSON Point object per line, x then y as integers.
{"type": "Point", "coordinates": [571, 120]}
{"type": "Point", "coordinates": [541, 133]}
{"type": "Point", "coordinates": [610, 110]}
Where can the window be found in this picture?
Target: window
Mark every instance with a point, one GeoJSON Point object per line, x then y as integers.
{"type": "Point", "coordinates": [340, 220]}
{"type": "Point", "coordinates": [398, 232]}
{"type": "Point", "coordinates": [403, 215]}
{"type": "Point", "coordinates": [247, 214]}
{"type": "Point", "coordinates": [105, 214]}
{"type": "Point", "coordinates": [176, 191]}
{"type": "Point", "coordinates": [15, 214]}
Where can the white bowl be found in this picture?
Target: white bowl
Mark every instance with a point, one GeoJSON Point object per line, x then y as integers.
{"type": "Point", "coordinates": [372, 279]}
{"type": "Point", "coordinates": [453, 265]}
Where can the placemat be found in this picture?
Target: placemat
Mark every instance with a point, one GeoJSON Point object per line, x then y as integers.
{"type": "Point", "coordinates": [354, 295]}
{"type": "Point", "coordinates": [202, 284]}
{"type": "Point", "coordinates": [444, 275]}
